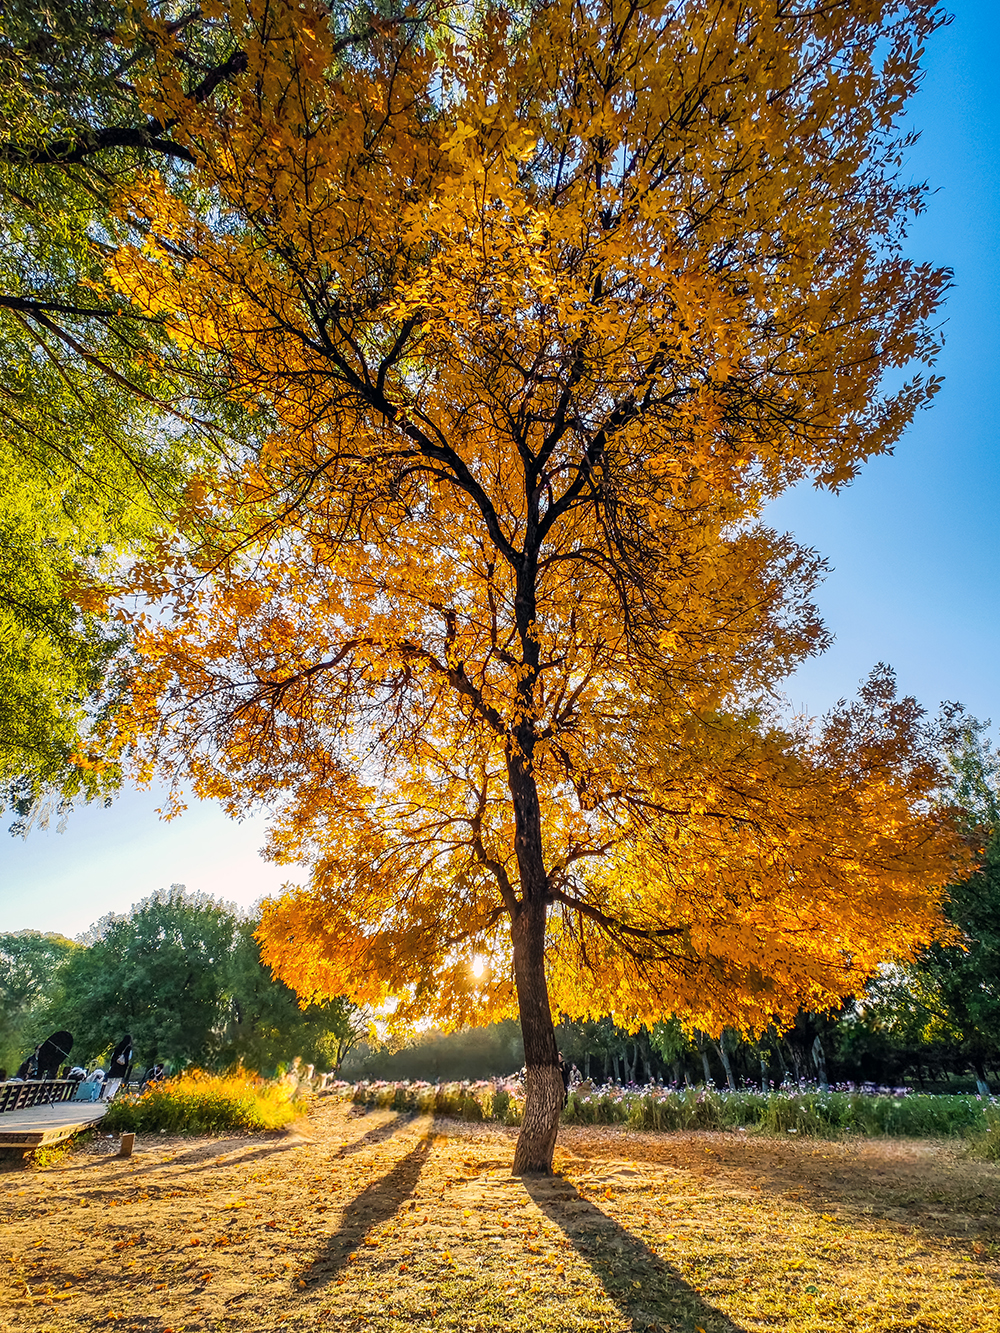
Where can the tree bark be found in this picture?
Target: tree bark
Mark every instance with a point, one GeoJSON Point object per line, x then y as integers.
{"type": "Point", "coordinates": [644, 1051]}
{"type": "Point", "coordinates": [544, 1091]}
{"type": "Point", "coordinates": [819, 1060]}
{"type": "Point", "coordinates": [765, 1073]}
{"type": "Point", "coordinates": [720, 1046]}
{"type": "Point", "coordinates": [702, 1044]}
{"type": "Point", "coordinates": [706, 1068]}
{"type": "Point", "coordinates": [981, 1082]}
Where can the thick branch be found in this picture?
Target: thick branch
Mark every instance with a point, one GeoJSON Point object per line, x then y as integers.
{"type": "Point", "coordinates": [609, 923]}
{"type": "Point", "coordinates": [32, 305]}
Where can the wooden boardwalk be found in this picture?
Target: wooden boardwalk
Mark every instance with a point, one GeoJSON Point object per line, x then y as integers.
{"type": "Point", "coordinates": [39, 1125]}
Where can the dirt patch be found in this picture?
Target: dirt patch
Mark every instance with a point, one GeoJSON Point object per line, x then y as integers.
{"type": "Point", "coordinates": [390, 1222]}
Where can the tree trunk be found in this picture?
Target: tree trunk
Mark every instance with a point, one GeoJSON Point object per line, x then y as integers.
{"type": "Point", "coordinates": [781, 1059]}
{"type": "Point", "coordinates": [720, 1046]}
{"type": "Point", "coordinates": [703, 1052]}
{"type": "Point", "coordinates": [586, 1066]}
{"type": "Point", "coordinates": [797, 1060]}
{"type": "Point", "coordinates": [819, 1059]}
{"type": "Point", "coordinates": [981, 1083]}
{"type": "Point", "coordinates": [544, 1093]}
{"type": "Point", "coordinates": [644, 1051]}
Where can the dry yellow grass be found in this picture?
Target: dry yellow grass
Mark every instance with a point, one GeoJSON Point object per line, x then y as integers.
{"type": "Point", "coordinates": [389, 1223]}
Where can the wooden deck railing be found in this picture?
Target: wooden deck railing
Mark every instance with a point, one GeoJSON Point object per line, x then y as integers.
{"type": "Point", "coordinates": [36, 1092]}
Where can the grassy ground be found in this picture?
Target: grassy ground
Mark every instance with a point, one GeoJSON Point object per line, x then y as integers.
{"type": "Point", "coordinates": [383, 1221]}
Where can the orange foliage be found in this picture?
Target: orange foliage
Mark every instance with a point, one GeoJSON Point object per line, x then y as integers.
{"type": "Point", "coordinates": [529, 322]}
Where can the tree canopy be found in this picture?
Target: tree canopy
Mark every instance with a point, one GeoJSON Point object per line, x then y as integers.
{"type": "Point", "coordinates": [90, 462]}
{"type": "Point", "coordinates": [30, 962]}
{"type": "Point", "coordinates": [951, 993]}
{"type": "Point", "coordinates": [530, 311]}
{"type": "Point", "coordinates": [181, 972]}
{"type": "Point", "coordinates": [157, 973]}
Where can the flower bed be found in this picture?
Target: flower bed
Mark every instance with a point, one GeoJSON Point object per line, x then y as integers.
{"type": "Point", "coordinates": [791, 1110]}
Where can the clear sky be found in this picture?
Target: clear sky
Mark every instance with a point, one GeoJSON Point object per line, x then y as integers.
{"type": "Point", "coordinates": [914, 543]}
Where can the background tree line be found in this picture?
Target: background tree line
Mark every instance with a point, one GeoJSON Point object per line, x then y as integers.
{"type": "Point", "coordinates": [182, 973]}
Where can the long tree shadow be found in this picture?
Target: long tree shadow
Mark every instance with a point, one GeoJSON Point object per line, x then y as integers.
{"type": "Point", "coordinates": [945, 1198]}
{"type": "Point", "coordinates": [375, 1135]}
{"type": "Point", "coordinates": [646, 1289]}
{"type": "Point", "coordinates": [380, 1201]}
{"type": "Point", "coordinates": [205, 1157]}
{"type": "Point", "coordinates": [200, 1159]}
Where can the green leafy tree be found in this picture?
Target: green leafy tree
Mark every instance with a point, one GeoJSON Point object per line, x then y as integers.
{"type": "Point", "coordinates": [30, 990]}
{"type": "Point", "coordinates": [958, 986]}
{"type": "Point", "coordinates": [157, 972]}
{"type": "Point", "coordinates": [265, 1025]}
{"type": "Point", "coordinates": [90, 463]}
{"type": "Point", "coordinates": [671, 1043]}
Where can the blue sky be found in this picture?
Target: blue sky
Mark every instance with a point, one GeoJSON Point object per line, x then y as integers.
{"type": "Point", "coordinates": [914, 543]}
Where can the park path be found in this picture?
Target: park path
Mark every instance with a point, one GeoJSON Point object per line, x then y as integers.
{"type": "Point", "coordinates": [391, 1222]}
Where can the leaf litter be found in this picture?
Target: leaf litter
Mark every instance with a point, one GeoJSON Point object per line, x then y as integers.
{"type": "Point", "coordinates": [389, 1222]}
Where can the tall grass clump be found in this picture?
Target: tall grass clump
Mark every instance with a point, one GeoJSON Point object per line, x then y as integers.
{"type": "Point", "coordinates": [810, 1112]}
{"type": "Point", "coordinates": [501, 1101]}
{"type": "Point", "coordinates": [198, 1103]}
{"type": "Point", "coordinates": [988, 1144]}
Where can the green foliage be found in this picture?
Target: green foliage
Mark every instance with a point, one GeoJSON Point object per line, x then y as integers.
{"type": "Point", "coordinates": [960, 986]}
{"type": "Point", "coordinates": [975, 779]}
{"type": "Point", "coordinates": [471, 1053]}
{"type": "Point", "coordinates": [265, 1026]}
{"type": "Point", "coordinates": [181, 972]}
{"type": "Point", "coordinates": [156, 972]}
{"type": "Point", "coordinates": [669, 1040]}
{"type": "Point", "coordinates": [948, 1001]}
{"type": "Point", "coordinates": [89, 462]}
{"type": "Point", "coordinates": [30, 986]}
{"type": "Point", "coordinates": [201, 1103]}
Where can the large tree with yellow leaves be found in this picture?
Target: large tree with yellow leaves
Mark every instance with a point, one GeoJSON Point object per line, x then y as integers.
{"type": "Point", "coordinates": [534, 308]}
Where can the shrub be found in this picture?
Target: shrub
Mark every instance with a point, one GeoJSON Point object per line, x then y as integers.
{"type": "Point", "coordinates": [988, 1144]}
{"type": "Point", "coordinates": [798, 1110]}
{"type": "Point", "coordinates": [200, 1103]}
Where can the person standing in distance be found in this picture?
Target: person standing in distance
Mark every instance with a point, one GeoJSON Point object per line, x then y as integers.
{"type": "Point", "coordinates": [121, 1061]}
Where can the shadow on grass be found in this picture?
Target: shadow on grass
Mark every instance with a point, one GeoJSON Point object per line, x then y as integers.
{"type": "Point", "coordinates": [376, 1135]}
{"type": "Point", "coordinates": [203, 1158]}
{"type": "Point", "coordinates": [647, 1290]}
{"type": "Point", "coordinates": [934, 1187]}
{"type": "Point", "coordinates": [375, 1205]}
